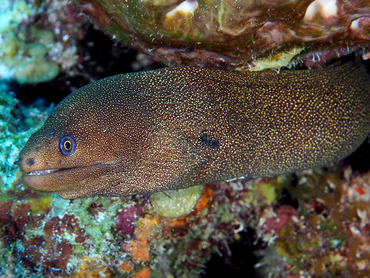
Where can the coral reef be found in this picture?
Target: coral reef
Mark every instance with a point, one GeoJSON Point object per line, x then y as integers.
{"type": "Point", "coordinates": [236, 34]}
{"type": "Point", "coordinates": [309, 224]}
{"type": "Point", "coordinates": [329, 238]}
{"type": "Point", "coordinates": [43, 234]}
{"type": "Point", "coordinates": [33, 68]}
{"type": "Point", "coordinates": [34, 43]}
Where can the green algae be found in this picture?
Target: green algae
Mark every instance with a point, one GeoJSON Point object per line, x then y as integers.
{"type": "Point", "coordinates": [24, 55]}
{"type": "Point", "coordinates": [78, 249]}
{"type": "Point", "coordinates": [335, 243]}
{"type": "Point", "coordinates": [36, 72]}
{"type": "Point", "coordinates": [38, 36]}
{"type": "Point", "coordinates": [268, 190]}
{"type": "Point", "coordinates": [13, 12]}
{"type": "Point", "coordinates": [176, 203]}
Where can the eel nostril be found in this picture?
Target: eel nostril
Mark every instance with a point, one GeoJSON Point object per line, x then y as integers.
{"type": "Point", "coordinates": [51, 134]}
{"type": "Point", "coordinates": [31, 161]}
{"type": "Point", "coordinates": [16, 162]}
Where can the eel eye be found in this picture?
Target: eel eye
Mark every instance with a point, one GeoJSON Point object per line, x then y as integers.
{"type": "Point", "coordinates": [67, 145]}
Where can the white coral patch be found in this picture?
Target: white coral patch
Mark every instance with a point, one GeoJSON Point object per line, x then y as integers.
{"type": "Point", "coordinates": [188, 6]}
{"type": "Point", "coordinates": [355, 25]}
{"type": "Point", "coordinates": [326, 8]}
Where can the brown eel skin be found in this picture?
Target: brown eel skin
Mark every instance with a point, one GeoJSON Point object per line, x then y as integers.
{"type": "Point", "coordinates": [178, 127]}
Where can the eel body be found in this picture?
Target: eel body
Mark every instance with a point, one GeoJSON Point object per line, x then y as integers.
{"type": "Point", "coordinates": [178, 127]}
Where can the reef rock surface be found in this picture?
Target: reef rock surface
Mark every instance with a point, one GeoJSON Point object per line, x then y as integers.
{"type": "Point", "coordinates": [236, 34]}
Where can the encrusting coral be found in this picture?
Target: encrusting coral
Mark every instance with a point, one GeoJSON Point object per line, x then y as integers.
{"type": "Point", "coordinates": [236, 34]}
{"type": "Point", "coordinates": [33, 68]}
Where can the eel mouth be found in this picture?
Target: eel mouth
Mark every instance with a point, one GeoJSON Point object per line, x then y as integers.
{"type": "Point", "coordinates": [45, 172]}
{"type": "Point", "coordinates": [63, 179]}
{"type": "Point", "coordinates": [51, 179]}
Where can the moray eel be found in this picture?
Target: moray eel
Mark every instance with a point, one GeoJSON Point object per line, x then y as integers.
{"type": "Point", "coordinates": [178, 127]}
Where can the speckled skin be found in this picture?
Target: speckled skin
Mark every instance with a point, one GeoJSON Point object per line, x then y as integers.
{"type": "Point", "coordinates": [178, 127]}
